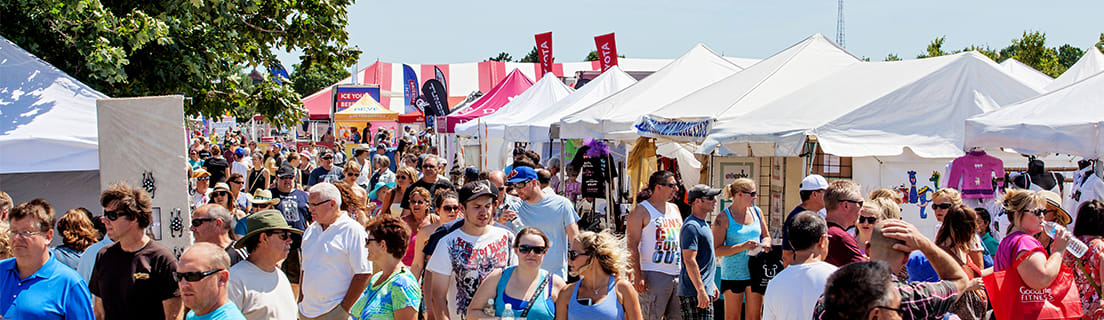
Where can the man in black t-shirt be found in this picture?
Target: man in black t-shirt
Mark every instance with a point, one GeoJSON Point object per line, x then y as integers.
{"type": "Point", "coordinates": [217, 165]}
{"type": "Point", "coordinates": [430, 180]}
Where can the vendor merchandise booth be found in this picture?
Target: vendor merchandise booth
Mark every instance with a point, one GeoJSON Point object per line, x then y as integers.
{"type": "Point", "coordinates": [364, 112]}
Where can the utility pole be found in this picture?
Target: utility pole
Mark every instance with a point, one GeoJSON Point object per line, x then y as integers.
{"type": "Point", "coordinates": [839, 25]}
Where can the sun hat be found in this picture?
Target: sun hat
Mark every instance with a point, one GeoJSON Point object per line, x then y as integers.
{"type": "Point", "coordinates": [264, 220]}
{"type": "Point", "coordinates": [221, 186]}
{"type": "Point", "coordinates": [380, 185]}
{"type": "Point", "coordinates": [1054, 201]}
{"type": "Point", "coordinates": [198, 173]}
{"type": "Point", "coordinates": [263, 196]}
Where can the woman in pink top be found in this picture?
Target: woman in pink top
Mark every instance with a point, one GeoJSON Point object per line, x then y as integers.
{"type": "Point", "coordinates": [1037, 270]}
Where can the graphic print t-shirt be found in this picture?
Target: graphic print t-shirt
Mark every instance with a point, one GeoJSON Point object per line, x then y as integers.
{"type": "Point", "coordinates": [294, 207]}
{"type": "Point", "coordinates": [469, 259]}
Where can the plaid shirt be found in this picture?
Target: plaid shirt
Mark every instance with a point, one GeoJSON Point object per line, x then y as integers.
{"type": "Point", "coordinates": [919, 300]}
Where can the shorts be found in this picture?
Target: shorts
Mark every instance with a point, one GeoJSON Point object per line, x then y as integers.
{"type": "Point", "coordinates": [738, 286]}
{"type": "Point", "coordinates": [690, 310]}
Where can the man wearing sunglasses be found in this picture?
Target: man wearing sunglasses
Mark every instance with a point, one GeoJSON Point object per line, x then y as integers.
{"type": "Point", "coordinates": [293, 205]}
{"type": "Point", "coordinates": [335, 261]}
{"type": "Point", "coordinates": [212, 223]}
{"type": "Point", "coordinates": [257, 286]}
{"type": "Point", "coordinates": [843, 201]}
{"type": "Point", "coordinates": [201, 193]}
{"type": "Point", "coordinates": [652, 230]}
{"type": "Point", "coordinates": [552, 214]}
{"type": "Point", "coordinates": [430, 180]}
{"type": "Point", "coordinates": [34, 284]}
{"type": "Point", "coordinates": [133, 278]}
{"type": "Point", "coordinates": [326, 171]}
{"type": "Point", "coordinates": [202, 277]}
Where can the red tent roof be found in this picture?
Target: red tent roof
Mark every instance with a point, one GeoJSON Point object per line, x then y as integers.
{"type": "Point", "coordinates": [412, 117]}
{"type": "Point", "coordinates": [513, 85]}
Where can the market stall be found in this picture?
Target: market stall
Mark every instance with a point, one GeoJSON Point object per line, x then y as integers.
{"type": "Point", "coordinates": [364, 112]}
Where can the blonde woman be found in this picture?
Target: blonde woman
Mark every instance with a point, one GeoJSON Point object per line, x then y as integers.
{"type": "Point", "coordinates": [737, 232]}
{"type": "Point", "coordinates": [603, 291]}
{"type": "Point", "coordinates": [887, 194]}
{"type": "Point", "coordinates": [874, 210]}
{"type": "Point", "coordinates": [1038, 269]}
{"type": "Point", "coordinates": [403, 179]}
{"type": "Point", "coordinates": [447, 205]}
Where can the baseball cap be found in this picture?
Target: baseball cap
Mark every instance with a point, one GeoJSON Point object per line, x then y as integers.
{"type": "Point", "coordinates": [520, 174]}
{"type": "Point", "coordinates": [285, 170]}
{"type": "Point", "coordinates": [814, 182]}
{"type": "Point", "coordinates": [701, 191]}
{"type": "Point", "coordinates": [200, 173]}
{"type": "Point", "coordinates": [476, 189]}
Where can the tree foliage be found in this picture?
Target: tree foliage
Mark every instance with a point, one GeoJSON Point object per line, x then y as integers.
{"type": "Point", "coordinates": [533, 56]}
{"type": "Point", "coordinates": [892, 57]}
{"type": "Point", "coordinates": [1031, 50]}
{"type": "Point", "coordinates": [593, 56]}
{"type": "Point", "coordinates": [1068, 55]}
{"type": "Point", "coordinates": [935, 48]}
{"type": "Point", "coordinates": [1100, 44]}
{"type": "Point", "coordinates": [502, 56]}
{"type": "Point", "coordinates": [309, 77]}
{"type": "Point", "coordinates": [192, 47]}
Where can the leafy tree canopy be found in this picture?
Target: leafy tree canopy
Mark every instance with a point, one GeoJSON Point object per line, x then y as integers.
{"type": "Point", "coordinates": [502, 56]}
{"type": "Point", "coordinates": [593, 55]}
{"type": "Point", "coordinates": [191, 47]}
{"type": "Point", "coordinates": [533, 56]}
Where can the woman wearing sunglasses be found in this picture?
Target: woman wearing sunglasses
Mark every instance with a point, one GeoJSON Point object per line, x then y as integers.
{"type": "Point", "coordinates": [447, 205]}
{"type": "Point", "coordinates": [419, 215]}
{"type": "Point", "coordinates": [1038, 269]}
{"type": "Point", "coordinates": [393, 292]}
{"type": "Point", "coordinates": [601, 261]}
{"type": "Point", "coordinates": [403, 179]}
{"type": "Point", "coordinates": [221, 196]}
{"type": "Point", "coordinates": [739, 231]}
{"type": "Point", "coordinates": [942, 201]}
{"type": "Point", "coordinates": [874, 210]}
{"type": "Point", "coordinates": [530, 291]}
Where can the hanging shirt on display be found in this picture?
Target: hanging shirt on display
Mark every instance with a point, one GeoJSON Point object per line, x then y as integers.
{"type": "Point", "coordinates": [596, 172]}
{"type": "Point", "coordinates": [973, 174]}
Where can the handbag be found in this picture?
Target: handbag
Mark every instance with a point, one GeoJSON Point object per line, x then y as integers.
{"type": "Point", "coordinates": [1012, 299]}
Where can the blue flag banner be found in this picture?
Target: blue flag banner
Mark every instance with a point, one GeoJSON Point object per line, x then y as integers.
{"type": "Point", "coordinates": [694, 128]}
{"type": "Point", "coordinates": [279, 74]}
{"type": "Point", "coordinates": [410, 88]}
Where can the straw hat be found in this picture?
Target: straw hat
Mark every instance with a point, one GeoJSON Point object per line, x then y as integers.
{"type": "Point", "coordinates": [1054, 202]}
{"type": "Point", "coordinates": [263, 196]}
{"type": "Point", "coordinates": [264, 220]}
{"type": "Point", "coordinates": [221, 186]}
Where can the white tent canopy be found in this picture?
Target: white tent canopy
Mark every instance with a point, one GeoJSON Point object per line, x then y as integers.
{"type": "Point", "coordinates": [1090, 64]}
{"type": "Point", "coordinates": [47, 118]}
{"type": "Point", "coordinates": [538, 97]}
{"type": "Point", "coordinates": [1067, 120]}
{"type": "Point", "coordinates": [536, 127]}
{"type": "Point", "coordinates": [1026, 73]}
{"type": "Point", "coordinates": [613, 117]}
{"type": "Point", "coordinates": [875, 108]}
{"type": "Point", "coordinates": [774, 77]}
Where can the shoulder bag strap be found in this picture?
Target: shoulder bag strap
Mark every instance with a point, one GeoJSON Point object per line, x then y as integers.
{"type": "Point", "coordinates": [1088, 275]}
{"type": "Point", "coordinates": [536, 294]}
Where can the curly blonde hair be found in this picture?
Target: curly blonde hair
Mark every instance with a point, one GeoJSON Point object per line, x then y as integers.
{"type": "Point", "coordinates": [885, 193]}
{"type": "Point", "coordinates": [609, 251]}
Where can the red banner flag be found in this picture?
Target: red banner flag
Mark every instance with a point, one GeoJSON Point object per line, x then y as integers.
{"type": "Point", "coordinates": [544, 52]}
{"type": "Point", "coordinates": [607, 51]}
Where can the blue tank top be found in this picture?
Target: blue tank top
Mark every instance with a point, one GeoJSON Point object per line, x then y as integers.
{"type": "Point", "coordinates": [609, 308]}
{"type": "Point", "coordinates": [735, 267]}
{"type": "Point", "coordinates": [543, 308]}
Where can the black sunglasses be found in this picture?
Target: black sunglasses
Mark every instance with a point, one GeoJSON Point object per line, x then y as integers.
{"type": "Point", "coordinates": [858, 202]}
{"type": "Point", "coordinates": [1037, 212]}
{"type": "Point", "coordinates": [114, 215]}
{"type": "Point", "coordinates": [428, 166]}
{"type": "Point", "coordinates": [450, 208]}
{"type": "Point", "coordinates": [369, 240]}
{"type": "Point", "coordinates": [669, 185]}
{"type": "Point", "coordinates": [572, 254]}
{"type": "Point", "coordinates": [327, 158]}
{"type": "Point", "coordinates": [283, 235]}
{"type": "Point", "coordinates": [753, 193]}
{"type": "Point", "coordinates": [201, 221]}
{"type": "Point", "coordinates": [942, 206]}
{"type": "Point", "coordinates": [237, 181]}
{"type": "Point", "coordinates": [870, 220]}
{"type": "Point", "coordinates": [193, 276]}
{"type": "Point", "coordinates": [526, 249]}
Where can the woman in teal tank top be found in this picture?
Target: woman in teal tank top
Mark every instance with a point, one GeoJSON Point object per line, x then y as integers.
{"type": "Point", "coordinates": [520, 284]}
{"type": "Point", "coordinates": [744, 232]}
{"type": "Point", "coordinates": [601, 261]}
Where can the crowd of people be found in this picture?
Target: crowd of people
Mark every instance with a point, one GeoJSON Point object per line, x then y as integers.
{"type": "Point", "coordinates": [282, 233]}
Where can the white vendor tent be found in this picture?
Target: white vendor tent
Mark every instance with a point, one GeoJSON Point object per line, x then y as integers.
{"type": "Point", "coordinates": [1067, 120]}
{"type": "Point", "coordinates": [875, 108]}
{"type": "Point", "coordinates": [1090, 64]}
{"type": "Point", "coordinates": [536, 127]}
{"type": "Point", "coordinates": [613, 117]}
{"type": "Point", "coordinates": [48, 138]}
{"type": "Point", "coordinates": [1026, 73]}
{"type": "Point", "coordinates": [803, 63]}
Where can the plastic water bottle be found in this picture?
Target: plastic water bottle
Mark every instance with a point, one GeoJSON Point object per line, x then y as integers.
{"type": "Point", "coordinates": [1075, 247]}
{"type": "Point", "coordinates": [508, 312]}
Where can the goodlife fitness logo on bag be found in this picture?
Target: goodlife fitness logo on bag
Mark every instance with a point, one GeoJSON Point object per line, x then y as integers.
{"type": "Point", "coordinates": [1035, 295]}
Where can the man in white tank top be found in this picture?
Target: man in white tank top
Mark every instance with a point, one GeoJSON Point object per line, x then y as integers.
{"type": "Point", "coordinates": [653, 230]}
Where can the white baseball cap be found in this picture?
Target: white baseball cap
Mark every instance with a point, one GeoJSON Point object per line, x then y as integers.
{"type": "Point", "coordinates": [814, 182]}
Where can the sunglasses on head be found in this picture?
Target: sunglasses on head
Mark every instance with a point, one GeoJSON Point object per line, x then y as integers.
{"type": "Point", "coordinates": [870, 220]}
{"type": "Point", "coordinates": [201, 221]}
{"type": "Point", "coordinates": [942, 206]}
{"type": "Point", "coordinates": [526, 249]}
{"type": "Point", "coordinates": [193, 276]}
{"type": "Point", "coordinates": [113, 215]}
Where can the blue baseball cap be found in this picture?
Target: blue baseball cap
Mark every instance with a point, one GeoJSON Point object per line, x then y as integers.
{"type": "Point", "coordinates": [521, 174]}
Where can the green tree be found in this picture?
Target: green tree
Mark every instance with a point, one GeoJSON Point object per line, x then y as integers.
{"type": "Point", "coordinates": [1031, 50]}
{"type": "Point", "coordinates": [195, 48]}
{"type": "Point", "coordinates": [309, 77]}
{"type": "Point", "coordinates": [1068, 55]}
{"type": "Point", "coordinates": [533, 56]}
{"type": "Point", "coordinates": [1100, 44]}
{"type": "Point", "coordinates": [593, 55]}
{"type": "Point", "coordinates": [987, 51]}
{"type": "Point", "coordinates": [502, 56]}
{"type": "Point", "coordinates": [892, 57]}
{"type": "Point", "coordinates": [935, 48]}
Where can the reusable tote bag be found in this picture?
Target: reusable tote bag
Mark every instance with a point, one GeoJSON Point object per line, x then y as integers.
{"type": "Point", "coordinates": [1012, 299]}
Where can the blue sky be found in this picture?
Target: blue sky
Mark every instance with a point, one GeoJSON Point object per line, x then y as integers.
{"type": "Point", "coordinates": [469, 31]}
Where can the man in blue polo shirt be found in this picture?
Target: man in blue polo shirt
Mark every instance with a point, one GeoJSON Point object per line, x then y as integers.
{"type": "Point", "coordinates": [33, 284]}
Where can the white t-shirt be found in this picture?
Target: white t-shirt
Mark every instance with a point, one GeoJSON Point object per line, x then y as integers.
{"type": "Point", "coordinates": [330, 259]}
{"type": "Point", "coordinates": [468, 259]}
{"type": "Point", "coordinates": [260, 294]}
{"type": "Point", "coordinates": [793, 293]}
{"type": "Point", "coordinates": [239, 167]}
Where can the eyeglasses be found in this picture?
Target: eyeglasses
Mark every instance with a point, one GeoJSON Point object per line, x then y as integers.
{"type": "Point", "coordinates": [897, 310]}
{"type": "Point", "coordinates": [572, 254]}
{"type": "Point", "coordinates": [526, 249]}
{"type": "Point", "coordinates": [429, 166]}
{"type": "Point", "coordinates": [401, 177]}
{"type": "Point", "coordinates": [237, 182]}
{"type": "Point", "coordinates": [318, 203]}
{"type": "Point", "coordinates": [287, 177]}
{"type": "Point", "coordinates": [419, 202]}
{"type": "Point", "coordinates": [203, 178]}
{"type": "Point", "coordinates": [193, 276]}
{"type": "Point", "coordinates": [283, 235]}
{"type": "Point", "coordinates": [327, 158]}
{"type": "Point", "coordinates": [201, 221]}
{"type": "Point", "coordinates": [858, 202]}
{"type": "Point", "coordinates": [369, 240]}
{"type": "Point", "coordinates": [870, 220]}
{"type": "Point", "coordinates": [752, 193]}
{"type": "Point", "coordinates": [220, 194]}
{"type": "Point", "coordinates": [113, 215]}
{"type": "Point", "coordinates": [450, 208]}
{"type": "Point", "coordinates": [669, 185]}
{"type": "Point", "coordinates": [942, 206]}
{"type": "Point", "coordinates": [25, 234]}
{"type": "Point", "coordinates": [1037, 212]}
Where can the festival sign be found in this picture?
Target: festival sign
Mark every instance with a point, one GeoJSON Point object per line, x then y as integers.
{"type": "Point", "coordinates": [607, 51]}
{"type": "Point", "coordinates": [345, 95]}
{"type": "Point", "coordinates": [544, 52]}
{"type": "Point", "coordinates": [695, 128]}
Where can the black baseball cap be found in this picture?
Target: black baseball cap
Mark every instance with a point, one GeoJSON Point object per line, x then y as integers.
{"type": "Point", "coordinates": [285, 171]}
{"type": "Point", "coordinates": [701, 191]}
{"type": "Point", "coordinates": [476, 189]}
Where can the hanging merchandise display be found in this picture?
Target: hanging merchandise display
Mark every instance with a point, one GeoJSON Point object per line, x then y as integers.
{"type": "Point", "coordinates": [973, 174]}
{"type": "Point", "coordinates": [595, 163]}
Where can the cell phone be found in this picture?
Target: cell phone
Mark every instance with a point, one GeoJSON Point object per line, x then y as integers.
{"type": "Point", "coordinates": [584, 301]}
